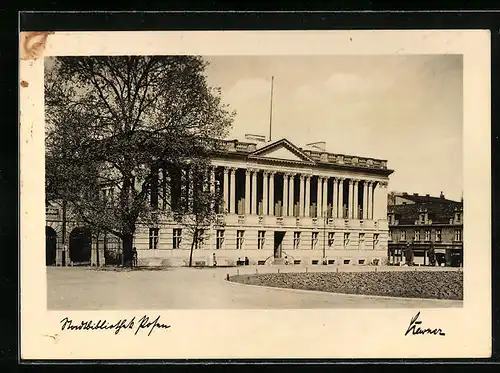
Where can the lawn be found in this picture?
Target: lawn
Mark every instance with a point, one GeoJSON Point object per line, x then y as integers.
{"type": "Point", "coordinates": [407, 284]}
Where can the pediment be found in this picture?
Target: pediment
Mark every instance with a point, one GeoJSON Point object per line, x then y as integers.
{"type": "Point", "coordinates": [282, 150]}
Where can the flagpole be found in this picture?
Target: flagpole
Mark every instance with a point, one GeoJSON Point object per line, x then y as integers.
{"type": "Point", "coordinates": [271, 109]}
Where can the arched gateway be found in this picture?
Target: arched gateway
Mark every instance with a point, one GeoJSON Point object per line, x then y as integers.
{"type": "Point", "coordinates": [80, 243]}
{"type": "Point", "coordinates": [50, 246]}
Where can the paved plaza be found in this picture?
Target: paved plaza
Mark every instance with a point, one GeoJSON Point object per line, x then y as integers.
{"type": "Point", "coordinates": [81, 288]}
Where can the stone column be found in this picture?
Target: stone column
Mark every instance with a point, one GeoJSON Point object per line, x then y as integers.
{"type": "Point", "coordinates": [265, 175]}
{"type": "Point", "coordinates": [370, 200]}
{"type": "Point", "coordinates": [325, 197]}
{"type": "Point", "coordinates": [247, 191]}
{"type": "Point", "coordinates": [355, 197]}
{"type": "Point", "coordinates": [254, 192]}
{"type": "Point", "coordinates": [291, 193]}
{"type": "Point", "coordinates": [383, 200]}
{"type": "Point", "coordinates": [226, 190]}
{"type": "Point", "coordinates": [335, 203]}
{"type": "Point", "coordinates": [301, 196]}
{"type": "Point", "coordinates": [319, 202]}
{"type": "Point", "coordinates": [365, 199]}
{"type": "Point", "coordinates": [285, 194]}
{"type": "Point", "coordinates": [341, 198]}
{"type": "Point", "coordinates": [232, 196]}
{"type": "Point", "coordinates": [307, 202]}
{"type": "Point", "coordinates": [271, 193]}
{"type": "Point", "coordinates": [350, 199]}
{"type": "Point", "coordinates": [212, 186]}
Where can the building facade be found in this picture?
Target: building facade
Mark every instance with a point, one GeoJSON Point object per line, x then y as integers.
{"type": "Point", "coordinates": [426, 222]}
{"type": "Point", "coordinates": [281, 203]}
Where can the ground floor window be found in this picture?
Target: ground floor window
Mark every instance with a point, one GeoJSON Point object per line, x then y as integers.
{"type": "Point", "coordinates": [375, 240]}
{"type": "Point", "coordinates": [261, 238]}
{"type": "Point", "coordinates": [361, 240]}
{"type": "Point", "coordinates": [331, 239]}
{"type": "Point", "coordinates": [239, 239]}
{"type": "Point", "coordinates": [390, 236]}
{"type": "Point", "coordinates": [219, 239]}
{"type": "Point", "coordinates": [296, 240]}
{"type": "Point", "coordinates": [177, 238]}
{"type": "Point", "coordinates": [314, 239]}
{"type": "Point", "coordinates": [346, 239]}
{"type": "Point", "coordinates": [458, 235]}
{"type": "Point", "coordinates": [153, 238]}
{"type": "Point", "coordinates": [201, 238]}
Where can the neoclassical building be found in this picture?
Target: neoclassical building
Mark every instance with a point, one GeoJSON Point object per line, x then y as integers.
{"type": "Point", "coordinates": [285, 203]}
{"type": "Point", "coordinates": [281, 203]}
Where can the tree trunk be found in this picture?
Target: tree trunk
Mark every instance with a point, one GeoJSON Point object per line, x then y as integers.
{"type": "Point", "coordinates": [195, 238]}
{"type": "Point", "coordinates": [127, 249]}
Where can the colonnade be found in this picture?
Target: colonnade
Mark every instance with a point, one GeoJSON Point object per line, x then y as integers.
{"type": "Point", "coordinates": [349, 209]}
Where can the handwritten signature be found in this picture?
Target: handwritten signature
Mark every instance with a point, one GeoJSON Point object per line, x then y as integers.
{"type": "Point", "coordinates": [140, 325]}
{"type": "Point", "coordinates": [415, 328]}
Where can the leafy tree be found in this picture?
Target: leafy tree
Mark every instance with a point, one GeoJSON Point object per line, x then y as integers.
{"type": "Point", "coordinates": [113, 122]}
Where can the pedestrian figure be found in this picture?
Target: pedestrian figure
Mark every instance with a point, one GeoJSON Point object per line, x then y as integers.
{"type": "Point", "coordinates": [215, 260]}
{"type": "Point", "coordinates": [134, 257]}
{"type": "Point", "coordinates": [247, 261]}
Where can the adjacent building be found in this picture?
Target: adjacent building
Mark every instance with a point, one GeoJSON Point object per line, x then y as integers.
{"type": "Point", "coordinates": [281, 203]}
{"type": "Point", "coordinates": [425, 221]}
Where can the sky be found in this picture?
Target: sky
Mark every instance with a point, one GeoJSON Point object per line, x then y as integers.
{"type": "Point", "coordinates": [402, 108]}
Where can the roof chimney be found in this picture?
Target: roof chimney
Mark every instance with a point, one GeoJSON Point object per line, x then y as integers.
{"type": "Point", "coordinates": [320, 145]}
{"type": "Point", "coordinates": [441, 195]}
{"type": "Point", "coordinates": [405, 194]}
{"type": "Point", "coordinates": [257, 138]}
{"type": "Point", "coordinates": [415, 194]}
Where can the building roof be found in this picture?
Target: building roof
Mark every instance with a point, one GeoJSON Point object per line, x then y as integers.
{"type": "Point", "coordinates": [308, 155]}
{"type": "Point", "coordinates": [439, 209]}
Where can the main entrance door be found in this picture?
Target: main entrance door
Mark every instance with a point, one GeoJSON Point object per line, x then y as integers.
{"type": "Point", "coordinates": [278, 241]}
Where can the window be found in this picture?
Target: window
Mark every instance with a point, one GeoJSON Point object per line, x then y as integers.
{"type": "Point", "coordinates": [390, 236]}
{"type": "Point", "coordinates": [346, 239]}
{"type": "Point", "coordinates": [422, 218]}
{"type": "Point", "coordinates": [427, 235]}
{"type": "Point", "coordinates": [403, 235]}
{"type": "Point", "coordinates": [331, 239]}
{"type": "Point", "coordinates": [375, 240]}
{"type": "Point", "coordinates": [314, 239]}
{"type": "Point", "coordinates": [296, 240]}
{"type": "Point", "coordinates": [438, 235]}
{"type": "Point", "coordinates": [239, 239]}
{"type": "Point", "coordinates": [458, 217]}
{"type": "Point", "coordinates": [219, 239]}
{"type": "Point", "coordinates": [361, 240]}
{"type": "Point", "coordinates": [417, 235]}
{"type": "Point", "coordinates": [153, 238]}
{"type": "Point", "coordinates": [261, 238]}
{"type": "Point", "coordinates": [458, 235]}
{"type": "Point", "coordinates": [201, 239]}
{"type": "Point", "coordinates": [177, 238]}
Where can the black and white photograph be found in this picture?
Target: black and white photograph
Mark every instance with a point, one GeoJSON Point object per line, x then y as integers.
{"type": "Point", "coordinates": [261, 170]}
{"type": "Point", "coordinates": [229, 183]}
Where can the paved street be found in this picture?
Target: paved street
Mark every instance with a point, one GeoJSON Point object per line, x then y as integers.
{"type": "Point", "coordinates": [190, 288]}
